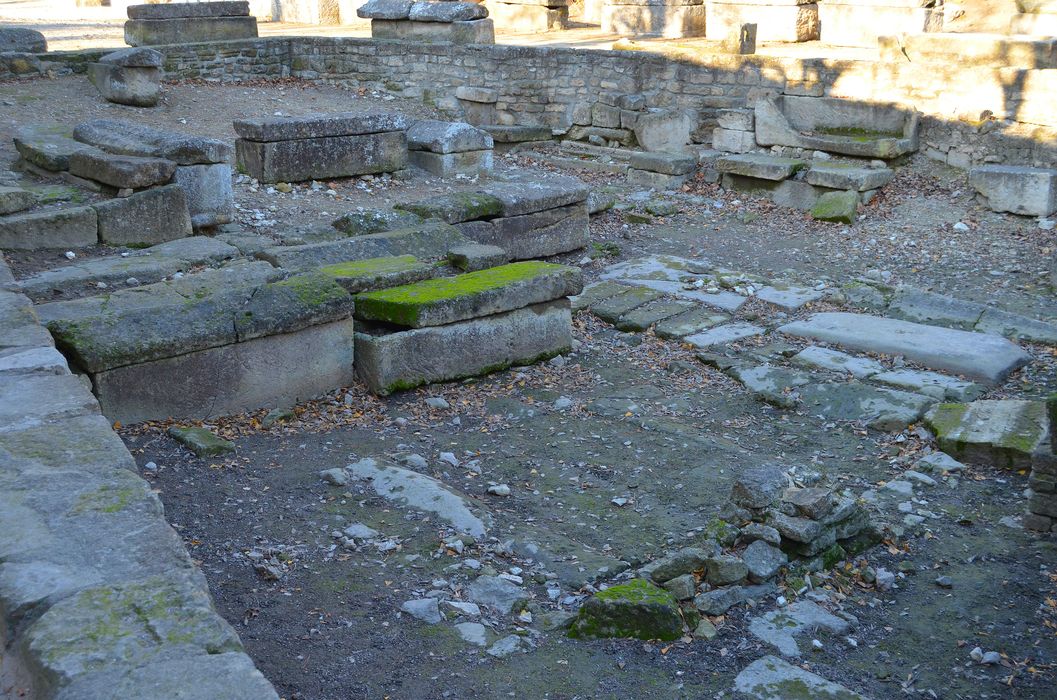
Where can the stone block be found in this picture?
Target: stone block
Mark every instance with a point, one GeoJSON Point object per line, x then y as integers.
{"type": "Point", "coordinates": [74, 227]}
{"type": "Point", "coordinates": [122, 172]}
{"type": "Point", "coordinates": [429, 241]}
{"type": "Point", "coordinates": [445, 300]}
{"type": "Point", "coordinates": [46, 150]}
{"type": "Point", "coordinates": [742, 42]}
{"type": "Point", "coordinates": [22, 40]}
{"type": "Point", "coordinates": [313, 126]}
{"type": "Point", "coordinates": [446, 12]}
{"type": "Point", "coordinates": [521, 17]}
{"type": "Point", "coordinates": [535, 235]}
{"type": "Point", "coordinates": [731, 141]}
{"type": "Point", "coordinates": [378, 273]}
{"type": "Point", "coordinates": [362, 221]}
{"type": "Point", "coordinates": [857, 24]}
{"type": "Point", "coordinates": [476, 94]}
{"type": "Point", "coordinates": [15, 199]}
{"type": "Point", "coordinates": [774, 22]}
{"type": "Point", "coordinates": [389, 362]}
{"type": "Point", "coordinates": [214, 8]}
{"type": "Point", "coordinates": [452, 164]}
{"type": "Point", "coordinates": [447, 137]}
{"type": "Point", "coordinates": [760, 166]}
{"type": "Point", "coordinates": [971, 50]}
{"type": "Point", "coordinates": [154, 32]}
{"type": "Point", "coordinates": [1017, 189]}
{"type": "Point", "coordinates": [507, 136]}
{"type": "Point", "coordinates": [664, 163]}
{"type": "Point", "coordinates": [664, 130]}
{"type": "Point", "coordinates": [471, 257]}
{"type": "Point", "coordinates": [665, 21]}
{"type": "Point", "coordinates": [736, 119]}
{"type": "Point", "coordinates": [136, 87]}
{"type": "Point", "coordinates": [127, 138]}
{"type": "Point", "coordinates": [525, 195]}
{"type": "Point", "coordinates": [656, 181]}
{"type": "Point", "coordinates": [606, 116]}
{"type": "Point", "coordinates": [210, 198]}
{"type": "Point", "coordinates": [298, 160]}
{"type": "Point", "coordinates": [385, 9]}
{"type": "Point", "coordinates": [478, 31]}
{"type": "Point", "coordinates": [145, 218]}
{"type": "Point", "coordinates": [841, 176]}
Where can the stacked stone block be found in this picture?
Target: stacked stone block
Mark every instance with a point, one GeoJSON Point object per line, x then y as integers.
{"type": "Point", "coordinates": [128, 77]}
{"type": "Point", "coordinates": [663, 171]}
{"type": "Point", "coordinates": [319, 146]}
{"type": "Point", "coordinates": [736, 132]}
{"type": "Point", "coordinates": [616, 120]}
{"type": "Point", "coordinates": [1035, 18]}
{"type": "Point", "coordinates": [668, 19]}
{"type": "Point", "coordinates": [478, 104]}
{"type": "Point", "coordinates": [776, 20]}
{"type": "Point", "coordinates": [446, 149]}
{"type": "Point", "coordinates": [1017, 189]}
{"type": "Point", "coordinates": [530, 15]}
{"type": "Point", "coordinates": [189, 22]}
{"type": "Point", "coordinates": [428, 21]}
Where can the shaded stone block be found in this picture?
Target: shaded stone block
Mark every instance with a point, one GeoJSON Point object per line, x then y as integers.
{"type": "Point", "coordinates": [297, 160]}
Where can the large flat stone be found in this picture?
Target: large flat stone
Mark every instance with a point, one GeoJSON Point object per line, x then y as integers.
{"type": "Point", "coordinates": [935, 309]}
{"type": "Point", "coordinates": [153, 216]}
{"type": "Point", "coordinates": [528, 195]}
{"type": "Point", "coordinates": [977, 355]}
{"type": "Point", "coordinates": [771, 678]}
{"type": "Point", "coordinates": [760, 166]}
{"type": "Point", "coordinates": [999, 432]}
{"type": "Point", "coordinates": [722, 335]}
{"type": "Point", "coordinates": [15, 199]}
{"type": "Point", "coordinates": [126, 138]}
{"type": "Point", "coordinates": [73, 227]}
{"type": "Point", "coordinates": [881, 409]}
{"type": "Point", "coordinates": [154, 32]}
{"type": "Point", "coordinates": [314, 126]}
{"type": "Point", "coordinates": [213, 8]}
{"type": "Point", "coordinates": [669, 21]}
{"type": "Point", "coordinates": [363, 221]}
{"type": "Point", "coordinates": [784, 22]}
{"type": "Point", "coordinates": [21, 326]}
{"type": "Point", "coordinates": [298, 160]}
{"type": "Point", "coordinates": [536, 235]}
{"type": "Point", "coordinates": [447, 137]}
{"type": "Point", "coordinates": [132, 172]}
{"type": "Point", "coordinates": [389, 362]}
{"type": "Point", "coordinates": [385, 9]}
{"type": "Point", "coordinates": [22, 40]}
{"type": "Point", "coordinates": [471, 163]}
{"type": "Point", "coordinates": [1017, 189]}
{"type": "Point", "coordinates": [428, 241]}
{"type": "Point", "coordinates": [47, 150]}
{"type": "Point", "coordinates": [446, 12]}
{"type": "Point", "coordinates": [456, 208]}
{"type": "Point", "coordinates": [378, 273]}
{"type": "Point", "coordinates": [30, 402]}
{"type": "Point", "coordinates": [841, 176]}
{"type": "Point", "coordinates": [939, 386]}
{"type": "Point", "coordinates": [780, 628]}
{"type": "Point", "coordinates": [824, 358]}
{"type": "Point", "coordinates": [446, 300]}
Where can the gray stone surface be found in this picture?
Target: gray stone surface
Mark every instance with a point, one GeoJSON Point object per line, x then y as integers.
{"type": "Point", "coordinates": [390, 362]}
{"type": "Point", "coordinates": [788, 296]}
{"type": "Point", "coordinates": [455, 208]}
{"type": "Point", "coordinates": [73, 227]}
{"type": "Point", "coordinates": [518, 134]}
{"type": "Point", "coordinates": [771, 678]}
{"type": "Point", "coordinates": [385, 9]}
{"type": "Point", "coordinates": [664, 130]}
{"type": "Point", "coordinates": [22, 40]}
{"type": "Point", "coordinates": [428, 241]}
{"type": "Point", "coordinates": [126, 138]}
{"type": "Point", "coordinates": [497, 593]}
{"type": "Point", "coordinates": [763, 560]}
{"type": "Point", "coordinates": [15, 199]}
{"type": "Point", "coordinates": [210, 197]}
{"type": "Point", "coordinates": [47, 150]}
{"type": "Point", "coordinates": [780, 628]}
{"type": "Point", "coordinates": [645, 316]}
{"type": "Point", "coordinates": [689, 323]}
{"type": "Point", "coordinates": [665, 163]}
{"type": "Point", "coordinates": [471, 163]}
{"type": "Point", "coordinates": [526, 195]}
{"type": "Point", "coordinates": [425, 609]}
{"type": "Point", "coordinates": [314, 126]}
{"type": "Point", "coordinates": [446, 12]}
{"type": "Point", "coordinates": [297, 160]}
{"type": "Point", "coordinates": [535, 235]}
{"type": "Point", "coordinates": [213, 8]}
{"type": "Point", "coordinates": [43, 360]}
{"type": "Point", "coordinates": [999, 432]}
{"type": "Point", "coordinates": [478, 31]}
{"type": "Point", "coordinates": [362, 222]}
{"type": "Point", "coordinates": [447, 137]}
{"type": "Point", "coordinates": [134, 58]}
{"type": "Point", "coordinates": [1017, 189]}
{"type": "Point", "coordinates": [976, 355]}
{"type": "Point", "coordinates": [934, 309]}
{"type": "Point", "coordinates": [445, 300]}
{"type": "Point", "coordinates": [841, 176]}
{"type": "Point", "coordinates": [1016, 326]}
{"type": "Point", "coordinates": [763, 167]}
{"type": "Point", "coordinates": [413, 490]}
{"type": "Point", "coordinates": [378, 273]}
{"type": "Point", "coordinates": [825, 358]}
{"type": "Point", "coordinates": [131, 172]}
{"type": "Point", "coordinates": [774, 385]}
{"type": "Point", "coordinates": [471, 257]}
{"type": "Point", "coordinates": [939, 386]}
{"type": "Point", "coordinates": [722, 335]}
{"type": "Point", "coordinates": [881, 409]}
{"type": "Point", "coordinates": [154, 32]}
{"type": "Point", "coordinates": [154, 216]}
{"type": "Point", "coordinates": [136, 87]}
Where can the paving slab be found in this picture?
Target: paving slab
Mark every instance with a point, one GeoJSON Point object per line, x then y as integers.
{"type": "Point", "coordinates": [430, 241]}
{"type": "Point", "coordinates": [721, 335]}
{"type": "Point", "coordinates": [48, 150]}
{"type": "Point", "coordinates": [658, 267]}
{"type": "Point", "coordinates": [722, 300]}
{"type": "Point", "coordinates": [652, 313]}
{"type": "Point", "coordinates": [1017, 327]}
{"type": "Point", "coordinates": [780, 628]}
{"type": "Point", "coordinates": [842, 176]}
{"type": "Point", "coordinates": [526, 195]}
{"type": "Point", "coordinates": [71, 227]}
{"type": "Point", "coordinates": [126, 138]}
{"type": "Point", "coordinates": [824, 358]}
{"type": "Point", "coordinates": [131, 172]}
{"type": "Point", "coordinates": [594, 293]}
{"type": "Point", "coordinates": [771, 384]}
{"type": "Point", "coordinates": [771, 678]}
{"type": "Point", "coordinates": [934, 309]}
{"type": "Point", "coordinates": [612, 308]}
{"type": "Point", "coordinates": [976, 355]}
{"type": "Point", "coordinates": [881, 409]}
{"type": "Point", "coordinates": [940, 386]}
{"type": "Point", "coordinates": [1000, 432]}
{"type": "Point", "coordinates": [788, 297]}
{"type": "Point", "coordinates": [689, 323]}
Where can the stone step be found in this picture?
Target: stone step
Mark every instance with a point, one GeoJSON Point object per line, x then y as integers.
{"type": "Point", "coordinates": [69, 227]}
{"type": "Point", "coordinates": [378, 273]}
{"type": "Point", "coordinates": [1000, 432]}
{"type": "Point", "coordinates": [760, 166]}
{"type": "Point", "coordinates": [446, 300]}
{"type": "Point", "coordinates": [976, 355]}
{"type": "Point", "coordinates": [123, 172]}
{"type": "Point", "coordinates": [848, 176]}
{"type": "Point", "coordinates": [48, 150]}
{"type": "Point", "coordinates": [126, 138]}
{"type": "Point", "coordinates": [429, 241]}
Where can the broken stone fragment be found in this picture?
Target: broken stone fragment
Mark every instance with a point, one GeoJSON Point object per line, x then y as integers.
{"type": "Point", "coordinates": [201, 441]}
{"type": "Point", "coordinates": [637, 609]}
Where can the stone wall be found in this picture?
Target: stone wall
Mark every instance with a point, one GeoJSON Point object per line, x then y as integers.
{"type": "Point", "coordinates": [973, 114]}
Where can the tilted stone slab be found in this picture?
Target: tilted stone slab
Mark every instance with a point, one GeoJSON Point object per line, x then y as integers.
{"type": "Point", "coordinates": [933, 384]}
{"type": "Point", "coordinates": [879, 408]}
{"type": "Point", "coordinates": [935, 309]}
{"type": "Point", "coordinates": [15, 199]}
{"type": "Point", "coordinates": [771, 678]}
{"type": "Point", "coordinates": [666, 163]}
{"type": "Point", "coordinates": [447, 11]}
{"type": "Point", "coordinates": [452, 164]}
{"type": "Point", "coordinates": [429, 241]}
{"type": "Point", "coordinates": [447, 137]}
{"type": "Point", "coordinates": [126, 138]}
{"type": "Point", "coordinates": [47, 150]}
{"type": "Point", "coordinates": [1016, 326]}
{"type": "Point", "coordinates": [760, 166]}
{"type": "Point", "coordinates": [132, 172]}
{"type": "Point", "coordinates": [976, 355]}
{"type": "Point", "coordinates": [22, 40]}
{"type": "Point", "coordinates": [446, 300]}
{"type": "Point", "coordinates": [298, 160]}
{"type": "Point", "coordinates": [153, 216]}
{"type": "Point", "coordinates": [389, 362]}
{"type": "Point", "coordinates": [215, 8]}
{"type": "Point", "coordinates": [518, 134]}
{"type": "Point", "coordinates": [840, 176]}
{"type": "Point", "coordinates": [73, 227]}
{"type": "Point", "coordinates": [21, 326]}
{"type": "Point", "coordinates": [537, 235]}
{"type": "Point", "coordinates": [999, 432]}
{"type": "Point", "coordinates": [314, 126]}
{"type": "Point", "coordinates": [378, 273]}
{"type": "Point", "coordinates": [136, 87]}
{"type": "Point", "coordinates": [41, 360]}
{"type": "Point", "coordinates": [363, 221]}
{"type": "Point", "coordinates": [457, 207]}
{"type": "Point", "coordinates": [86, 441]}
{"type": "Point", "coordinates": [154, 32]}
{"type": "Point", "coordinates": [529, 195]}
{"type": "Point", "coordinates": [30, 402]}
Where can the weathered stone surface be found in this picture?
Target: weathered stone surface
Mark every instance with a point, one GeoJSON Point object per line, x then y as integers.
{"type": "Point", "coordinates": [314, 126]}
{"type": "Point", "coordinates": [656, 181]}
{"type": "Point", "coordinates": [389, 362]}
{"type": "Point", "coordinates": [153, 216]}
{"type": "Point", "coordinates": [759, 487]}
{"type": "Point", "coordinates": [785, 22]}
{"type": "Point", "coordinates": [362, 222]}
{"type": "Point", "coordinates": [725, 569]}
{"type": "Point", "coordinates": [213, 8]}
{"type": "Point", "coordinates": [478, 31]}
{"type": "Point", "coordinates": [74, 227]}
{"type": "Point", "coordinates": [669, 21]}
{"type": "Point", "coordinates": [771, 678]}
{"type": "Point", "coordinates": [446, 300]}
{"type": "Point", "coordinates": [841, 176]}
{"type": "Point", "coordinates": [613, 307]}
{"type": "Point", "coordinates": [939, 386]}
{"type": "Point", "coordinates": [852, 24]}
{"type": "Point", "coordinates": [763, 561]}
{"type": "Point", "coordinates": [471, 93]}
{"type": "Point", "coordinates": [385, 9]}
{"type": "Point", "coordinates": [976, 355]}
{"type": "Point", "coordinates": [126, 138]}
{"type": "Point", "coordinates": [452, 164]}
{"type": "Point", "coordinates": [298, 160]}
{"type": "Point", "coordinates": [731, 141]}
{"type": "Point", "coordinates": [457, 207]}
{"type": "Point", "coordinates": [689, 323]}
{"type": "Point", "coordinates": [210, 198]}
{"type": "Point", "coordinates": [720, 600]}
{"type": "Point", "coordinates": [645, 316]}
{"type": "Point", "coordinates": [722, 335]}
{"type": "Point", "coordinates": [134, 58]}
{"type": "Point", "coordinates": [154, 32]}
{"type": "Point", "coordinates": [136, 87]}
{"type": "Point", "coordinates": [428, 241]}
{"type": "Point", "coordinates": [825, 358]}
{"type": "Point", "coordinates": [667, 131]}
{"type": "Point", "coordinates": [132, 172]}
{"type": "Point", "coordinates": [934, 309]}
{"type": "Point", "coordinates": [666, 163]}
{"type": "Point", "coordinates": [774, 385]}
{"type": "Point", "coordinates": [542, 16]}
{"type": "Point", "coordinates": [999, 432]}
{"type": "Point", "coordinates": [447, 137]}
{"type": "Point", "coordinates": [21, 326]}
{"type": "Point", "coordinates": [527, 195]}
{"type": "Point", "coordinates": [1016, 326]}
{"type": "Point", "coordinates": [446, 12]}
{"type": "Point", "coordinates": [736, 119]}
{"type": "Point", "coordinates": [780, 628]}
{"type": "Point", "coordinates": [47, 150]}
{"type": "Point", "coordinates": [497, 593]}
{"type": "Point", "coordinates": [517, 134]}
{"type": "Point", "coordinates": [471, 257]}
{"type": "Point", "coordinates": [378, 273]}
{"type": "Point", "coordinates": [759, 166]}
{"type": "Point", "coordinates": [1017, 189]}
{"type": "Point", "coordinates": [42, 360]}
{"type": "Point", "coordinates": [22, 40]}
{"type": "Point", "coordinates": [637, 609]}
{"type": "Point", "coordinates": [881, 409]}
{"type": "Point", "coordinates": [535, 235]}
{"type": "Point", "coordinates": [836, 207]}
{"type": "Point", "coordinates": [201, 441]}
{"type": "Point", "coordinates": [15, 199]}
{"type": "Point", "coordinates": [687, 560]}
{"type": "Point", "coordinates": [787, 296]}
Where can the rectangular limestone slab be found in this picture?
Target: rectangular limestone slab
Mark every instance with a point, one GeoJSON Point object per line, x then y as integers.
{"type": "Point", "coordinates": [536, 235]}
{"type": "Point", "coordinates": [521, 17]}
{"type": "Point", "coordinates": [153, 216]}
{"type": "Point", "coordinates": [760, 166]}
{"type": "Point", "coordinates": [973, 50]}
{"type": "Point", "coordinates": [427, 242]}
{"type": "Point", "coordinates": [269, 371]}
{"type": "Point", "coordinates": [452, 164]}
{"type": "Point", "coordinates": [389, 362]}
{"type": "Point", "coordinates": [221, 8]}
{"type": "Point", "coordinates": [1017, 189]}
{"type": "Point", "coordinates": [446, 300]}
{"type": "Point", "coordinates": [74, 227]}
{"type": "Point", "coordinates": [128, 138]}
{"type": "Point", "coordinates": [314, 126]}
{"type": "Point", "coordinates": [478, 31]}
{"type": "Point", "coordinates": [979, 356]}
{"type": "Point", "coordinates": [860, 25]}
{"type": "Point", "coordinates": [319, 158]}
{"type": "Point", "coordinates": [665, 21]}
{"type": "Point", "coordinates": [190, 30]}
{"type": "Point", "coordinates": [788, 23]}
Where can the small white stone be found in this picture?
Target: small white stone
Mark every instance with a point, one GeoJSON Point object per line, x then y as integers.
{"type": "Point", "coordinates": [499, 490]}
{"type": "Point", "coordinates": [70, 255]}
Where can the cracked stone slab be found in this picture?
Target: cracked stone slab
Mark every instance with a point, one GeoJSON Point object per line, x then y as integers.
{"type": "Point", "coordinates": [1016, 327]}
{"type": "Point", "coordinates": [788, 297]}
{"type": "Point", "coordinates": [824, 358]}
{"type": "Point", "coordinates": [881, 409]}
{"type": "Point", "coordinates": [722, 300]}
{"type": "Point", "coordinates": [594, 293]}
{"type": "Point", "coordinates": [933, 384]}
{"type": "Point", "coordinates": [771, 384]}
{"type": "Point", "coordinates": [781, 627]}
{"type": "Point", "coordinates": [610, 310]}
{"type": "Point", "coordinates": [652, 313]}
{"type": "Point", "coordinates": [1002, 432]}
{"type": "Point", "coordinates": [935, 309]}
{"type": "Point", "coordinates": [657, 267]}
{"type": "Point", "coordinates": [721, 335]}
{"type": "Point", "coordinates": [976, 355]}
{"type": "Point", "coordinates": [695, 321]}
{"type": "Point", "coordinates": [421, 492]}
{"type": "Point", "coordinates": [771, 678]}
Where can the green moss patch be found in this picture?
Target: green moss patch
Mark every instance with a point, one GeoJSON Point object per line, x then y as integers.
{"type": "Point", "coordinates": [637, 609]}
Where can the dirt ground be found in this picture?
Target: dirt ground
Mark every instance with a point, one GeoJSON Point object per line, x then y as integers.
{"type": "Point", "coordinates": [645, 422]}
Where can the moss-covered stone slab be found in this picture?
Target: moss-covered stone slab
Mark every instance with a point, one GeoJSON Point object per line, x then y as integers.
{"type": "Point", "coordinates": [444, 300]}
{"type": "Point", "coordinates": [377, 273]}
{"type": "Point", "coordinates": [836, 207]}
{"type": "Point", "coordinates": [689, 323]}
{"type": "Point", "coordinates": [456, 208]}
{"type": "Point", "coordinates": [638, 609]}
{"type": "Point", "coordinates": [201, 441]}
{"type": "Point", "coordinates": [760, 166]}
{"type": "Point", "coordinates": [771, 678]}
{"type": "Point", "coordinates": [363, 222]}
{"type": "Point", "coordinates": [429, 241]}
{"type": "Point", "coordinates": [881, 409]}
{"type": "Point", "coordinates": [594, 293]}
{"type": "Point", "coordinates": [999, 432]}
